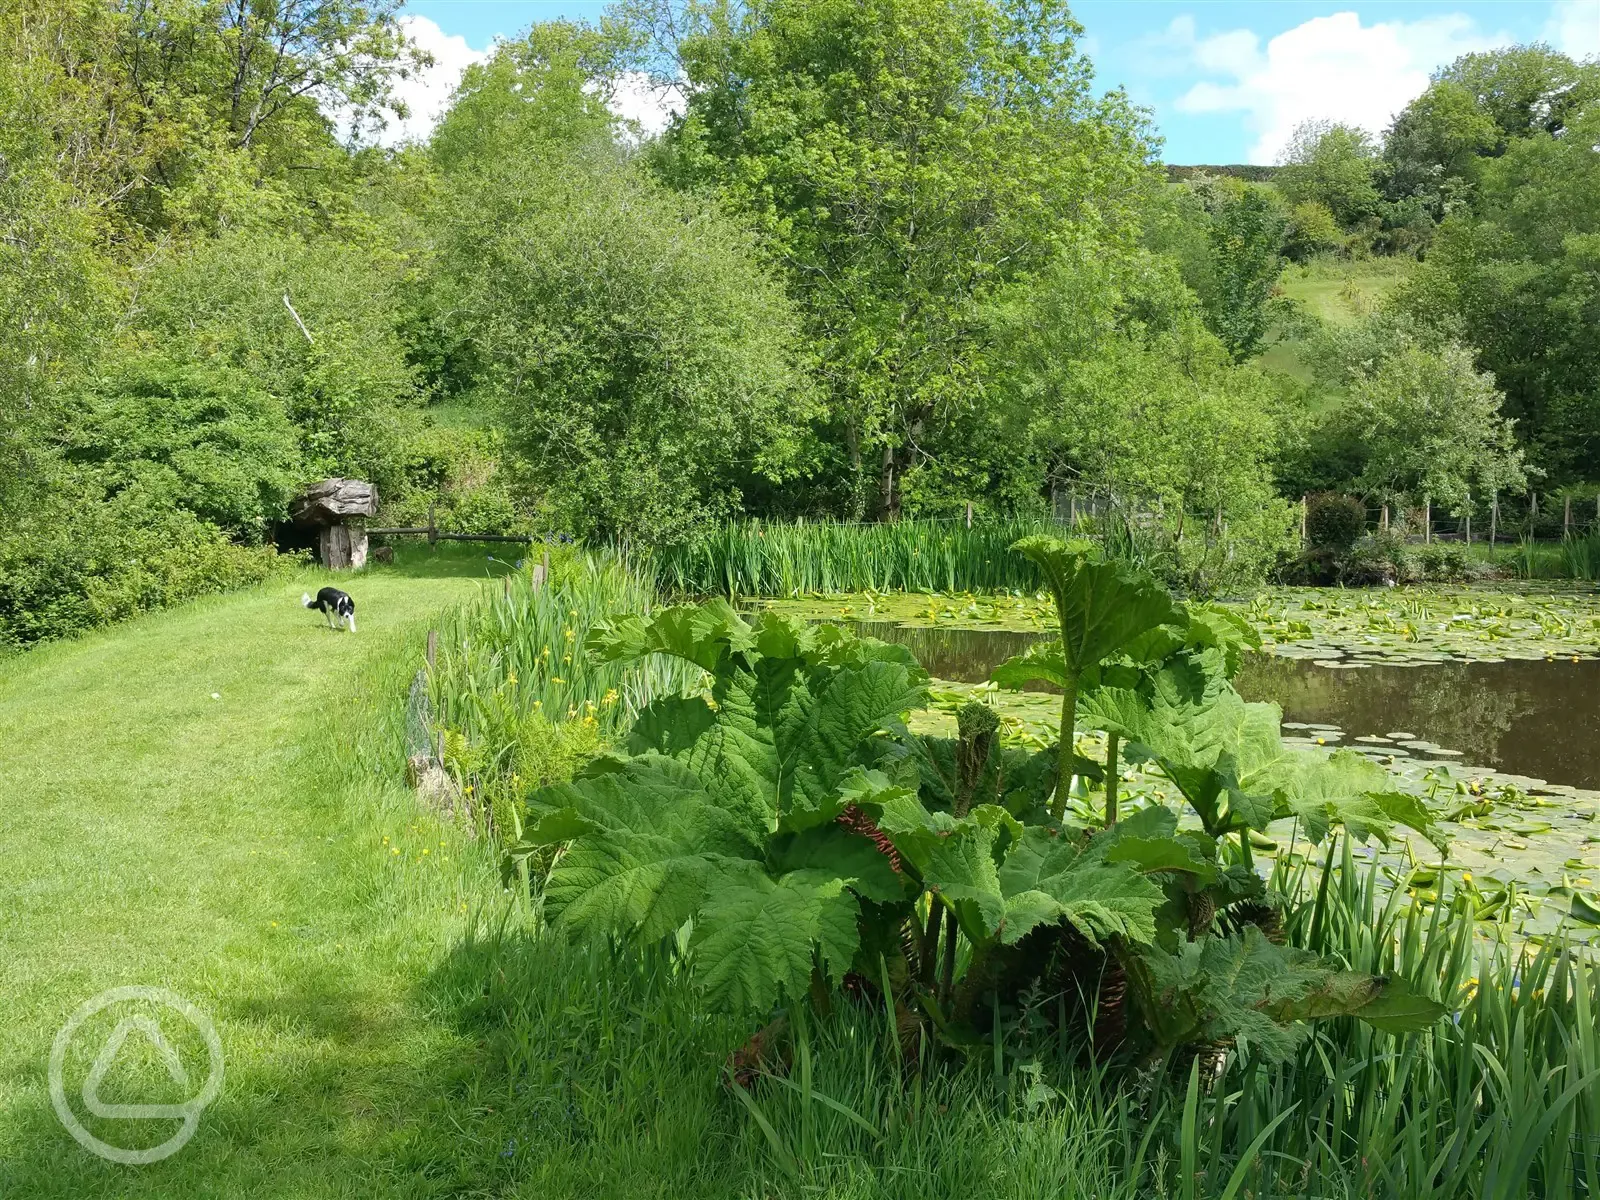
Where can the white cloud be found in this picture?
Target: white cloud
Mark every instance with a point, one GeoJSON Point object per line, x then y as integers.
{"type": "Point", "coordinates": [427, 92]}
{"type": "Point", "coordinates": [1329, 67]}
{"type": "Point", "coordinates": [636, 99]}
{"type": "Point", "coordinates": [1574, 27]}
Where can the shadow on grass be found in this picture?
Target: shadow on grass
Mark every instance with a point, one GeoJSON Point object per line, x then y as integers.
{"type": "Point", "coordinates": [328, 1091]}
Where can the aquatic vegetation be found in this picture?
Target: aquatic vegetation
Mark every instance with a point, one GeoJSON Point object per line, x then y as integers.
{"type": "Point", "coordinates": [785, 832]}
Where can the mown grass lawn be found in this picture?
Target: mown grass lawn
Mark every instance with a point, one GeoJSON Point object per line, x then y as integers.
{"type": "Point", "coordinates": [187, 806]}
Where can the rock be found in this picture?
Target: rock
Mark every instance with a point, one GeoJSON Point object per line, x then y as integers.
{"type": "Point", "coordinates": [333, 501]}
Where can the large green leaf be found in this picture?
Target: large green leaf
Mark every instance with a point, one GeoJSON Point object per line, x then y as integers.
{"type": "Point", "coordinates": [1101, 606]}
{"type": "Point", "coordinates": [755, 939]}
{"type": "Point", "coordinates": [704, 634]}
{"type": "Point", "coordinates": [791, 712]}
{"type": "Point", "coordinates": [1042, 662]}
{"type": "Point", "coordinates": [653, 844]}
{"type": "Point", "coordinates": [1046, 878]}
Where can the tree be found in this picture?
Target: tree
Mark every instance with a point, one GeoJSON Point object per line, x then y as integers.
{"type": "Point", "coordinates": [1515, 278]}
{"type": "Point", "coordinates": [1332, 165]}
{"type": "Point", "coordinates": [902, 160]}
{"type": "Point", "coordinates": [1311, 231]}
{"type": "Point", "coordinates": [644, 365]}
{"type": "Point", "coordinates": [1432, 427]}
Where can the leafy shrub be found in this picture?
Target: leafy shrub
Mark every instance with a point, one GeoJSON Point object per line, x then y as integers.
{"type": "Point", "coordinates": [1334, 522]}
{"type": "Point", "coordinates": [208, 440]}
{"type": "Point", "coordinates": [1444, 562]}
{"type": "Point", "coordinates": [790, 819]}
{"type": "Point", "coordinates": [1379, 558]}
{"type": "Point", "coordinates": [458, 474]}
{"type": "Point", "coordinates": [76, 563]}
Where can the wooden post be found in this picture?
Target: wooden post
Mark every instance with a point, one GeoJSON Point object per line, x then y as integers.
{"type": "Point", "coordinates": [1494, 519]}
{"type": "Point", "coordinates": [541, 571]}
{"type": "Point", "coordinates": [433, 530]}
{"type": "Point", "coordinates": [1427, 521]}
{"type": "Point", "coordinates": [1566, 519]}
{"type": "Point", "coordinates": [1305, 505]}
{"type": "Point", "coordinates": [969, 514]}
{"type": "Point", "coordinates": [1072, 506]}
{"type": "Point", "coordinates": [1469, 522]}
{"type": "Point", "coordinates": [1383, 519]}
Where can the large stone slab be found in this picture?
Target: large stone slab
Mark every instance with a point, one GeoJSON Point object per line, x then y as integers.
{"type": "Point", "coordinates": [334, 501]}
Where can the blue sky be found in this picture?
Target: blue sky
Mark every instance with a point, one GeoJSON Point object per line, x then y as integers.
{"type": "Point", "coordinates": [1225, 80]}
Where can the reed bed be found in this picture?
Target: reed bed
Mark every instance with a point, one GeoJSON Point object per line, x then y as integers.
{"type": "Point", "coordinates": [751, 558]}
{"type": "Point", "coordinates": [515, 696]}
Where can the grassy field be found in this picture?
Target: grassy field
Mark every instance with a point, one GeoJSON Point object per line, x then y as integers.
{"type": "Point", "coordinates": [1335, 291]}
{"type": "Point", "coordinates": [189, 807]}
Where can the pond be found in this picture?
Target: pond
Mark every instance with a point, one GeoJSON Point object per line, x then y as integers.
{"type": "Point", "coordinates": [1535, 718]}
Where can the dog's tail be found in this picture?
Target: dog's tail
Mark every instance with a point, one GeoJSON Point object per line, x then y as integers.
{"type": "Point", "coordinates": [305, 598]}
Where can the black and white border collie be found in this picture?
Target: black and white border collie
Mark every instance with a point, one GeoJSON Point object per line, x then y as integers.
{"type": "Point", "coordinates": [335, 605]}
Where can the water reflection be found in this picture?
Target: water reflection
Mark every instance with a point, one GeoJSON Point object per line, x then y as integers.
{"type": "Point", "coordinates": [1533, 718]}
{"type": "Point", "coordinates": [1528, 717]}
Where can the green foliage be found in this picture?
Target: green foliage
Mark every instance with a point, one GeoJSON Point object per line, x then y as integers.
{"type": "Point", "coordinates": [73, 561]}
{"type": "Point", "coordinates": [1334, 522]}
{"type": "Point", "coordinates": [903, 160]}
{"type": "Point", "coordinates": [206, 441]}
{"type": "Point", "coordinates": [642, 364]}
{"type": "Point", "coordinates": [1311, 231]}
{"type": "Point", "coordinates": [1513, 278]}
{"type": "Point", "coordinates": [519, 701]}
{"type": "Point", "coordinates": [1432, 428]}
{"type": "Point", "coordinates": [784, 830]}
{"type": "Point", "coordinates": [1227, 238]}
{"type": "Point", "coordinates": [741, 558]}
{"type": "Point", "coordinates": [1331, 165]}
{"type": "Point", "coordinates": [349, 390]}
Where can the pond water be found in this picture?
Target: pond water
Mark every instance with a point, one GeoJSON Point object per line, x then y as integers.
{"type": "Point", "coordinates": [1533, 718]}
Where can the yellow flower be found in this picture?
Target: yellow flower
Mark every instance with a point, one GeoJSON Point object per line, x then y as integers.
{"type": "Point", "coordinates": [610, 697]}
{"type": "Point", "coordinates": [274, 924]}
{"type": "Point", "coordinates": [557, 679]}
{"type": "Point", "coordinates": [425, 850]}
{"type": "Point", "coordinates": [569, 634]}
{"type": "Point", "coordinates": [394, 850]}
{"type": "Point", "coordinates": [511, 677]}
{"type": "Point", "coordinates": [1466, 877]}
{"type": "Point", "coordinates": [538, 703]}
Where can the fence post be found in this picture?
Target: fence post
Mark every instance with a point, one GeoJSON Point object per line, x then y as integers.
{"type": "Point", "coordinates": [1566, 519]}
{"type": "Point", "coordinates": [1469, 522]}
{"type": "Point", "coordinates": [969, 514]}
{"type": "Point", "coordinates": [1494, 519]}
{"type": "Point", "coordinates": [1072, 506]}
{"type": "Point", "coordinates": [541, 572]}
{"type": "Point", "coordinates": [1304, 509]}
{"type": "Point", "coordinates": [1383, 520]}
{"type": "Point", "coordinates": [1427, 521]}
{"type": "Point", "coordinates": [433, 530]}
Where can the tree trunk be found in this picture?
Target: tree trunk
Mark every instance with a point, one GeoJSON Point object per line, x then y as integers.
{"type": "Point", "coordinates": [888, 496]}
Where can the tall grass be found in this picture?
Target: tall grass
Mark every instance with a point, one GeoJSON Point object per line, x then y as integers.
{"type": "Point", "coordinates": [748, 558]}
{"type": "Point", "coordinates": [1577, 556]}
{"type": "Point", "coordinates": [513, 691]}
{"type": "Point", "coordinates": [612, 1071]}
{"type": "Point", "coordinates": [1501, 1101]}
